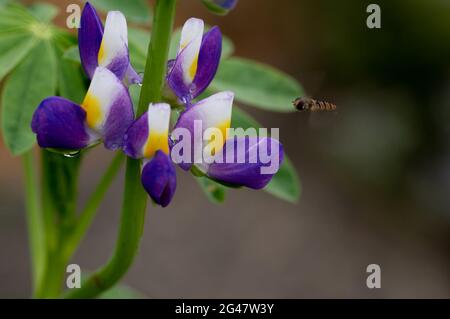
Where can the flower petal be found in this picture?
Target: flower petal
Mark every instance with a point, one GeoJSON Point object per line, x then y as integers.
{"type": "Point", "coordinates": [113, 52]}
{"type": "Point", "coordinates": [212, 112]}
{"type": "Point", "coordinates": [136, 137]}
{"type": "Point", "coordinates": [208, 61]}
{"type": "Point", "coordinates": [182, 74]}
{"type": "Point", "coordinates": [159, 178]}
{"type": "Point", "coordinates": [90, 37]}
{"type": "Point", "coordinates": [60, 124]}
{"type": "Point", "coordinates": [220, 6]}
{"type": "Point", "coordinates": [252, 161]}
{"type": "Point", "coordinates": [109, 108]}
{"type": "Point", "coordinates": [149, 133]}
{"type": "Point", "coordinates": [132, 77]}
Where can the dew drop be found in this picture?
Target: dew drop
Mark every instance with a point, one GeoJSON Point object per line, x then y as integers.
{"type": "Point", "coordinates": [72, 154]}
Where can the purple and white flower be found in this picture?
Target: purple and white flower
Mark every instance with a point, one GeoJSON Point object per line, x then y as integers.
{"type": "Point", "coordinates": [104, 115]}
{"type": "Point", "coordinates": [106, 47]}
{"type": "Point", "coordinates": [196, 62]}
{"type": "Point", "coordinates": [148, 139]}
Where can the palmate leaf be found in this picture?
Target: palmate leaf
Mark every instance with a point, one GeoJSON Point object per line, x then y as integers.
{"type": "Point", "coordinates": [257, 84]}
{"type": "Point", "coordinates": [45, 12]}
{"type": "Point", "coordinates": [16, 36]}
{"type": "Point", "coordinates": [71, 83]}
{"type": "Point", "coordinates": [285, 184]}
{"type": "Point", "coordinates": [30, 51]}
{"type": "Point", "coordinates": [13, 48]}
{"type": "Point", "coordinates": [33, 80]}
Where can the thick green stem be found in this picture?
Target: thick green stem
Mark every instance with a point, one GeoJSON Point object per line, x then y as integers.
{"type": "Point", "coordinates": [87, 215]}
{"type": "Point", "coordinates": [48, 206]}
{"type": "Point", "coordinates": [34, 220]}
{"type": "Point", "coordinates": [157, 53]}
{"type": "Point", "coordinates": [53, 276]}
{"type": "Point", "coordinates": [135, 198]}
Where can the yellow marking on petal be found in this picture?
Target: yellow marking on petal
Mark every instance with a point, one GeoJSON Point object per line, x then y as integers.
{"type": "Point", "coordinates": [193, 68]}
{"type": "Point", "coordinates": [223, 129]}
{"type": "Point", "coordinates": [214, 142]}
{"type": "Point", "coordinates": [91, 105]}
{"type": "Point", "coordinates": [156, 141]}
{"type": "Point", "coordinates": [101, 53]}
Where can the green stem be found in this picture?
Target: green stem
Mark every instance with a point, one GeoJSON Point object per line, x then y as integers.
{"type": "Point", "coordinates": [48, 206]}
{"type": "Point", "coordinates": [157, 53]}
{"type": "Point", "coordinates": [135, 198]}
{"type": "Point", "coordinates": [91, 208]}
{"type": "Point", "coordinates": [34, 220]}
{"type": "Point", "coordinates": [53, 276]}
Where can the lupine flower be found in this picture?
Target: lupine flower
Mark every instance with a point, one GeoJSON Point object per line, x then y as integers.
{"type": "Point", "coordinates": [104, 115]}
{"type": "Point", "coordinates": [196, 62]}
{"type": "Point", "coordinates": [106, 47]}
{"type": "Point", "coordinates": [148, 139]}
{"type": "Point", "coordinates": [220, 6]}
{"type": "Point", "coordinates": [243, 167]}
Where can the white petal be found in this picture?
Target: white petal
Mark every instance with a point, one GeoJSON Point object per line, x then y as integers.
{"type": "Point", "coordinates": [114, 46]}
{"type": "Point", "coordinates": [104, 90]}
{"type": "Point", "coordinates": [190, 43]}
{"type": "Point", "coordinates": [158, 116]}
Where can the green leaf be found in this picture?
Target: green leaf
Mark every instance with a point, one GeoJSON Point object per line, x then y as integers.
{"type": "Point", "coordinates": [214, 191]}
{"type": "Point", "coordinates": [138, 11]}
{"type": "Point", "coordinates": [241, 119]}
{"type": "Point", "coordinates": [257, 84]}
{"type": "Point", "coordinates": [70, 81]}
{"type": "Point", "coordinates": [135, 92]}
{"type": "Point", "coordinates": [72, 54]}
{"type": "Point", "coordinates": [227, 44]}
{"type": "Point", "coordinates": [138, 40]}
{"type": "Point", "coordinates": [34, 80]}
{"type": "Point", "coordinates": [13, 48]}
{"type": "Point", "coordinates": [4, 2]}
{"type": "Point", "coordinates": [15, 16]}
{"type": "Point", "coordinates": [45, 12]}
{"type": "Point", "coordinates": [285, 184]}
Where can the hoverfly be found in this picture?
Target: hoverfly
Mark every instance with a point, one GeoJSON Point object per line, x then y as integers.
{"type": "Point", "coordinates": [309, 104]}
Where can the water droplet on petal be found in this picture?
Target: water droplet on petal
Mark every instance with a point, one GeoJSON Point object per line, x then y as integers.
{"type": "Point", "coordinates": [72, 154]}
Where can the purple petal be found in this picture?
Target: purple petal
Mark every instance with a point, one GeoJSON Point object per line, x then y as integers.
{"type": "Point", "coordinates": [220, 6]}
{"type": "Point", "coordinates": [90, 37]}
{"type": "Point", "coordinates": [132, 77]}
{"type": "Point", "coordinates": [120, 117]}
{"type": "Point", "coordinates": [59, 123]}
{"type": "Point", "coordinates": [246, 166]}
{"type": "Point", "coordinates": [136, 137]}
{"type": "Point", "coordinates": [212, 112]}
{"type": "Point", "coordinates": [175, 79]}
{"type": "Point", "coordinates": [225, 4]}
{"type": "Point", "coordinates": [208, 61]}
{"type": "Point", "coordinates": [159, 178]}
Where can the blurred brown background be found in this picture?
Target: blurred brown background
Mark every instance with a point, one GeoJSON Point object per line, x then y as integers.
{"type": "Point", "coordinates": [375, 175]}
